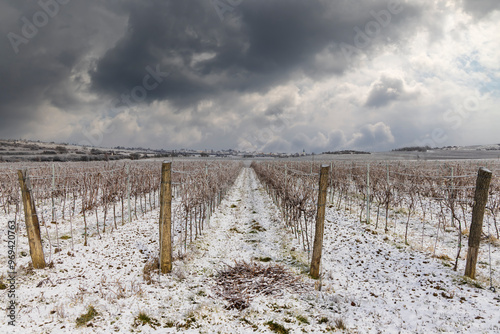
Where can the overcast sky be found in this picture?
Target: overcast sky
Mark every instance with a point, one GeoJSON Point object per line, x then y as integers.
{"type": "Point", "coordinates": [264, 75]}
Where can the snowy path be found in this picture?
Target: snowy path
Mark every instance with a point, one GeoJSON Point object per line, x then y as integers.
{"type": "Point", "coordinates": [370, 284]}
{"type": "Point", "coordinates": [246, 228]}
{"type": "Point", "coordinates": [250, 231]}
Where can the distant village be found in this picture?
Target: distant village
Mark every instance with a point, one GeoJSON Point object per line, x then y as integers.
{"type": "Point", "coordinates": [37, 151]}
{"type": "Point", "coordinates": [25, 150]}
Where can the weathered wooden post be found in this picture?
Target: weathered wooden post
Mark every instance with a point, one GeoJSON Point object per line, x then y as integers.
{"type": "Point", "coordinates": [54, 205]}
{"type": "Point", "coordinates": [31, 219]}
{"type": "Point", "coordinates": [368, 193]}
{"type": "Point", "coordinates": [320, 222]}
{"type": "Point", "coordinates": [165, 218]}
{"type": "Point", "coordinates": [128, 195]}
{"type": "Point", "coordinates": [480, 198]}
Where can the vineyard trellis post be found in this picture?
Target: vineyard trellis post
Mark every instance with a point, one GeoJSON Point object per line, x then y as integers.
{"type": "Point", "coordinates": [368, 193]}
{"type": "Point", "coordinates": [330, 184]}
{"type": "Point", "coordinates": [31, 219]}
{"type": "Point", "coordinates": [54, 205]}
{"type": "Point", "coordinates": [284, 212]}
{"type": "Point", "coordinates": [208, 212]}
{"type": "Point", "coordinates": [165, 218]}
{"type": "Point", "coordinates": [320, 222]}
{"type": "Point", "coordinates": [387, 171]}
{"type": "Point", "coordinates": [387, 198]}
{"type": "Point", "coordinates": [480, 198]}
{"type": "Point", "coordinates": [450, 198]}
{"type": "Point", "coordinates": [128, 194]}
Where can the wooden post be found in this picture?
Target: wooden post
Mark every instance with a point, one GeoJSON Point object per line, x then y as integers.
{"type": "Point", "coordinates": [450, 199]}
{"type": "Point", "coordinates": [165, 218]}
{"type": "Point", "coordinates": [32, 225]}
{"type": "Point", "coordinates": [330, 183]}
{"type": "Point", "coordinates": [54, 205]}
{"type": "Point", "coordinates": [480, 198]}
{"type": "Point", "coordinates": [320, 222]}
{"type": "Point", "coordinates": [368, 193]}
{"type": "Point", "coordinates": [128, 195]}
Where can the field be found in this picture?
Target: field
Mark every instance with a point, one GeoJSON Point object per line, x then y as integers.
{"type": "Point", "coordinates": [242, 244]}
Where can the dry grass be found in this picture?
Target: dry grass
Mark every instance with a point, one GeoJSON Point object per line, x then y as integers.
{"type": "Point", "coordinates": [493, 240]}
{"type": "Point", "coordinates": [150, 268]}
{"type": "Point", "coordinates": [340, 324]}
{"type": "Point", "coordinates": [443, 257]}
{"type": "Point", "coordinates": [27, 269]}
{"type": "Point", "coordinates": [277, 328]}
{"type": "Point", "coordinates": [79, 296]}
{"type": "Point", "coordinates": [117, 290]}
{"type": "Point", "coordinates": [179, 272]}
{"type": "Point", "coordinates": [59, 310]}
{"type": "Point", "coordinates": [238, 284]}
{"type": "Point", "coordinates": [143, 319]}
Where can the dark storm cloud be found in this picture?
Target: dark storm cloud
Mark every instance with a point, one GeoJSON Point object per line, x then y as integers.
{"type": "Point", "coordinates": [41, 46]}
{"type": "Point", "coordinates": [209, 73]}
{"type": "Point", "coordinates": [269, 43]}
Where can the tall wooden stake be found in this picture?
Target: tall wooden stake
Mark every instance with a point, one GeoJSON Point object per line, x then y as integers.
{"type": "Point", "coordinates": [165, 218]}
{"type": "Point", "coordinates": [368, 193]}
{"type": "Point", "coordinates": [54, 205]}
{"type": "Point", "coordinates": [320, 222]}
{"type": "Point", "coordinates": [128, 195]}
{"type": "Point", "coordinates": [480, 198]}
{"type": "Point", "coordinates": [32, 225]}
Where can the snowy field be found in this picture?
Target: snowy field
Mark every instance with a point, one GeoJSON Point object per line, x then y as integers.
{"type": "Point", "coordinates": [372, 283]}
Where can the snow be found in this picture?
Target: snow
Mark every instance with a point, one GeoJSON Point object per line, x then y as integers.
{"type": "Point", "coordinates": [370, 281]}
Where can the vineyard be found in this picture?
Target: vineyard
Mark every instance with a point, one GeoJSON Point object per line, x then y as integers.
{"type": "Point", "coordinates": [108, 195]}
{"type": "Point", "coordinates": [427, 204]}
{"type": "Point", "coordinates": [99, 227]}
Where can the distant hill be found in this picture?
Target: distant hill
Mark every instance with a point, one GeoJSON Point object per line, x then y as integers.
{"type": "Point", "coordinates": [412, 149]}
{"type": "Point", "coordinates": [26, 150]}
{"type": "Point", "coordinates": [347, 152]}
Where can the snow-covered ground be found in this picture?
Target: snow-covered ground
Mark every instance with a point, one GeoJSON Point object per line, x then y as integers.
{"type": "Point", "coordinates": [370, 283]}
{"type": "Point", "coordinates": [427, 235]}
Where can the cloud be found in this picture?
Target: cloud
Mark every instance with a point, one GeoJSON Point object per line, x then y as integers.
{"type": "Point", "coordinates": [480, 8]}
{"type": "Point", "coordinates": [272, 75]}
{"type": "Point", "coordinates": [47, 69]}
{"type": "Point", "coordinates": [270, 43]}
{"type": "Point", "coordinates": [388, 89]}
{"type": "Point", "coordinates": [372, 136]}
